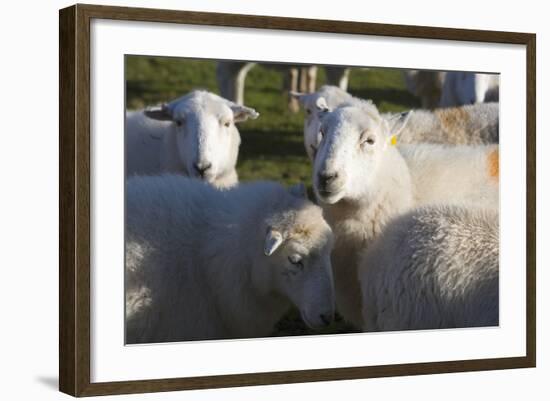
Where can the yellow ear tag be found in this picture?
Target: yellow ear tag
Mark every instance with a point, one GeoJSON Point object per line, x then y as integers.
{"type": "Point", "coordinates": [393, 140]}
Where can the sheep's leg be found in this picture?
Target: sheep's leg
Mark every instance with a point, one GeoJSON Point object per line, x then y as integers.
{"type": "Point", "coordinates": [311, 79]}
{"type": "Point", "coordinates": [291, 85]}
{"type": "Point", "coordinates": [226, 75]}
{"type": "Point", "coordinates": [344, 80]}
{"type": "Point", "coordinates": [432, 88]}
{"type": "Point", "coordinates": [492, 95]}
{"type": "Point", "coordinates": [231, 77]}
{"type": "Point", "coordinates": [240, 82]}
{"type": "Point", "coordinates": [303, 79]}
{"type": "Point", "coordinates": [299, 79]}
{"type": "Point", "coordinates": [338, 76]}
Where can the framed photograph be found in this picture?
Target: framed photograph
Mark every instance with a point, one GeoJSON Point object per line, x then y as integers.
{"type": "Point", "coordinates": [250, 200]}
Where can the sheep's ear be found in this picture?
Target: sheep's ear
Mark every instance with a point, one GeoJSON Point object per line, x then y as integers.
{"type": "Point", "coordinates": [273, 240]}
{"type": "Point", "coordinates": [398, 122]}
{"type": "Point", "coordinates": [162, 113]}
{"type": "Point", "coordinates": [243, 113]}
{"type": "Point", "coordinates": [300, 96]}
{"type": "Point", "coordinates": [299, 190]}
{"type": "Point", "coordinates": [321, 104]}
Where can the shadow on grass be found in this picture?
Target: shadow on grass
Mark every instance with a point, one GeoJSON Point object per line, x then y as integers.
{"type": "Point", "coordinates": [278, 156]}
{"type": "Point", "coordinates": [261, 143]}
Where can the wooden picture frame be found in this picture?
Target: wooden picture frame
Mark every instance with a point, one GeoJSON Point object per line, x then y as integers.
{"type": "Point", "coordinates": [74, 204]}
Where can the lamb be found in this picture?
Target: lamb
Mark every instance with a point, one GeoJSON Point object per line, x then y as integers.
{"type": "Point", "coordinates": [202, 263]}
{"type": "Point", "coordinates": [194, 135]}
{"type": "Point", "coordinates": [466, 125]}
{"type": "Point", "coordinates": [460, 87]}
{"type": "Point", "coordinates": [432, 268]}
{"type": "Point", "coordinates": [362, 182]}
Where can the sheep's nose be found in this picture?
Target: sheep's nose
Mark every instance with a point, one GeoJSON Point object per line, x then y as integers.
{"type": "Point", "coordinates": [202, 168]}
{"type": "Point", "coordinates": [326, 318]}
{"type": "Point", "coordinates": [327, 178]}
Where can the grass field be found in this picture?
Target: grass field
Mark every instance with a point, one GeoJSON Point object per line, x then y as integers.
{"type": "Point", "coordinates": [272, 146]}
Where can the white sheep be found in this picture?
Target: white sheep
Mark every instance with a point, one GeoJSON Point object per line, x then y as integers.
{"type": "Point", "coordinates": [459, 173]}
{"type": "Point", "coordinates": [362, 182]}
{"type": "Point", "coordinates": [435, 267]}
{"type": "Point", "coordinates": [461, 87]}
{"type": "Point", "coordinates": [208, 264]}
{"type": "Point", "coordinates": [466, 125]}
{"type": "Point", "coordinates": [194, 135]}
{"type": "Point", "coordinates": [327, 98]}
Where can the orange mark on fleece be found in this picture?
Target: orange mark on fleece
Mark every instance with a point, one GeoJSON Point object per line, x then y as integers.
{"type": "Point", "coordinates": [492, 164]}
{"type": "Point", "coordinates": [301, 231]}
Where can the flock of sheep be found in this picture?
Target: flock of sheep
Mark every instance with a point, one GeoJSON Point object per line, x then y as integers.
{"type": "Point", "coordinates": [403, 233]}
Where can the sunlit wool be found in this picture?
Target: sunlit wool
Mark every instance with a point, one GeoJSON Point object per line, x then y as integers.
{"type": "Point", "coordinates": [466, 125]}
{"type": "Point", "coordinates": [362, 182]}
{"type": "Point", "coordinates": [202, 263]}
{"type": "Point", "coordinates": [435, 267]}
{"type": "Point", "coordinates": [194, 135]}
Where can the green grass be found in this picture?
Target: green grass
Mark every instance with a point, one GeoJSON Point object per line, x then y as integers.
{"type": "Point", "coordinates": [272, 146]}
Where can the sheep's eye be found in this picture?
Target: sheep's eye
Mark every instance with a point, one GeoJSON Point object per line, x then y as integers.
{"type": "Point", "coordinates": [367, 139]}
{"type": "Point", "coordinates": [227, 123]}
{"type": "Point", "coordinates": [296, 260]}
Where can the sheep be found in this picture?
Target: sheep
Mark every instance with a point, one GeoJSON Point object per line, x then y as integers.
{"type": "Point", "coordinates": [466, 125]}
{"type": "Point", "coordinates": [362, 182]}
{"type": "Point", "coordinates": [432, 268]}
{"type": "Point", "coordinates": [299, 78]}
{"type": "Point", "coordinates": [426, 85]}
{"type": "Point", "coordinates": [194, 135]}
{"type": "Point", "coordinates": [461, 87]}
{"type": "Point", "coordinates": [442, 173]}
{"type": "Point", "coordinates": [327, 98]}
{"type": "Point", "coordinates": [203, 263]}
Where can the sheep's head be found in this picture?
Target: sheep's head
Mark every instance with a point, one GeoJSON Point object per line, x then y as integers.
{"type": "Point", "coordinates": [297, 248]}
{"type": "Point", "coordinates": [206, 137]}
{"type": "Point", "coordinates": [350, 154]}
{"type": "Point", "coordinates": [315, 105]}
